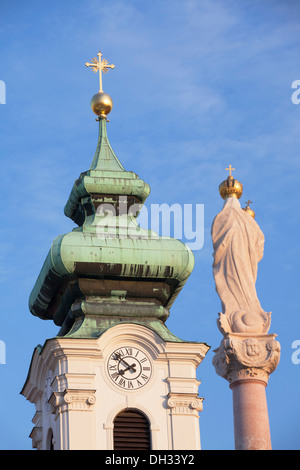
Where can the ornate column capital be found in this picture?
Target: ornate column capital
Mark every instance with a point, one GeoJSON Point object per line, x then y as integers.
{"type": "Point", "coordinates": [242, 356]}
{"type": "Point", "coordinates": [72, 400]}
{"type": "Point", "coordinates": [184, 403]}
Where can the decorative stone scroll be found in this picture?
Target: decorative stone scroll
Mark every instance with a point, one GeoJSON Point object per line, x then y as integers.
{"type": "Point", "coordinates": [183, 404]}
{"type": "Point", "coordinates": [71, 400]}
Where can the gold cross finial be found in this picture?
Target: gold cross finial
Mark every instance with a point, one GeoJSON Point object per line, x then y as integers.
{"type": "Point", "coordinates": [249, 202]}
{"type": "Point", "coordinates": [100, 65]}
{"type": "Point", "coordinates": [230, 169]}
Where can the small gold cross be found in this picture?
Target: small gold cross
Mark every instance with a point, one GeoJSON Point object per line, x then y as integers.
{"type": "Point", "coordinates": [249, 202]}
{"type": "Point", "coordinates": [230, 169]}
{"type": "Point", "coordinates": [100, 65]}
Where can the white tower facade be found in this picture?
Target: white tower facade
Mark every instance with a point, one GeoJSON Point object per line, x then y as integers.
{"type": "Point", "coordinates": [79, 394]}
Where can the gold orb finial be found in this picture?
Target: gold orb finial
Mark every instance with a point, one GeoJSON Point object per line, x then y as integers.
{"type": "Point", "coordinates": [101, 103]}
{"type": "Point", "coordinates": [230, 187]}
{"type": "Point", "coordinates": [248, 209]}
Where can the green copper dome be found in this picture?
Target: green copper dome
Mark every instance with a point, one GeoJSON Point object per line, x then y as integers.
{"type": "Point", "coordinates": [106, 178]}
{"type": "Point", "coordinates": [108, 245]}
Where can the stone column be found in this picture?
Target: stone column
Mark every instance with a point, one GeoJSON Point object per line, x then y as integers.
{"type": "Point", "coordinates": [247, 354]}
{"type": "Point", "coordinates": [250, 413]}
{"type": "Point", "coordinates": [246, 361]}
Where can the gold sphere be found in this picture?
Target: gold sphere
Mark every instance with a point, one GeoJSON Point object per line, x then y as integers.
{"type": "Point", "coordinates": [101, 104]}
{"type": "Point", "coordinates": [230, 188]}
{"type": "Point", "coordinates": [249, 211]}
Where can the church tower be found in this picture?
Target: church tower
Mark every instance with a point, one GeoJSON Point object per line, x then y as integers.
{"type": "Point", "coordinates": [114, 377]}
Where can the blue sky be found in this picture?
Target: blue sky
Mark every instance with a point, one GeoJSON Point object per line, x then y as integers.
{"type": "Point", "coordinates": [198, 85]}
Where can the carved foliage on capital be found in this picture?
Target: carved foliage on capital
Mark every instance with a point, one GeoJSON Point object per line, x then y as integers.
{"type": "Point", "coordinates": [184, 403]}
{"type": "Point", "coordinates": [240, 357]}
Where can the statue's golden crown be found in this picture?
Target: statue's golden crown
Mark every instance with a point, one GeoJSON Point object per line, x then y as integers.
{"type": "Point", "coordinates": [231, 188]}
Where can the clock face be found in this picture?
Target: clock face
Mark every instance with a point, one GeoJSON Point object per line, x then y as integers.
{"type": "Point", "coordinates": [129, 368]}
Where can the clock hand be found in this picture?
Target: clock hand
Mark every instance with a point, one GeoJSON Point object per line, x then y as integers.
{"type": "Point", "coordinates": [129, 367]}
{"type": "Point", "coordinates": [132, 367]}
{"type": "Point", "coordinates": [126, 363]}
{"type": "Point", "coordinates": [117, 357]}
{"type": "Point", "coordinates": [120, 359]}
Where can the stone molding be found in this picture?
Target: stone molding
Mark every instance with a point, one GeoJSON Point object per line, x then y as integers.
{"type": "Point", "coordinates": [184, 404]}
{"type": "Point", "coordinates": [72, 400]}
{"type": "Point", "coordinates": [241, 357]}
{"type": "Point", "coordinates": [36, 435]}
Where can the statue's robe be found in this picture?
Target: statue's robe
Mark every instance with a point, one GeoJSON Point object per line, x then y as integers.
{"type": "Point", "coordinates": [238, 247]}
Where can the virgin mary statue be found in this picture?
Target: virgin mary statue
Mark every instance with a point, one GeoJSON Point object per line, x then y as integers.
{"type": "Point", "coordinates": [238, 244]}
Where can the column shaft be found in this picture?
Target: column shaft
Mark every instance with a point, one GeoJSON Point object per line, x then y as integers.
{"type": "Point", "coordinates": [251, 421]}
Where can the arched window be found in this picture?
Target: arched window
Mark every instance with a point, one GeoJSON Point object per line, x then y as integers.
{"type": "Point", "coordinates": [131, 431]}
{"type": "Point", "coordinates": [50, 440]}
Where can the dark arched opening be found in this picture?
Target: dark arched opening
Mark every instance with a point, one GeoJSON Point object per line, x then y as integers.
{"type": "Point", "coordinates": [131, 431]}
{"type": "Point", "coordinates": [49, 444]}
